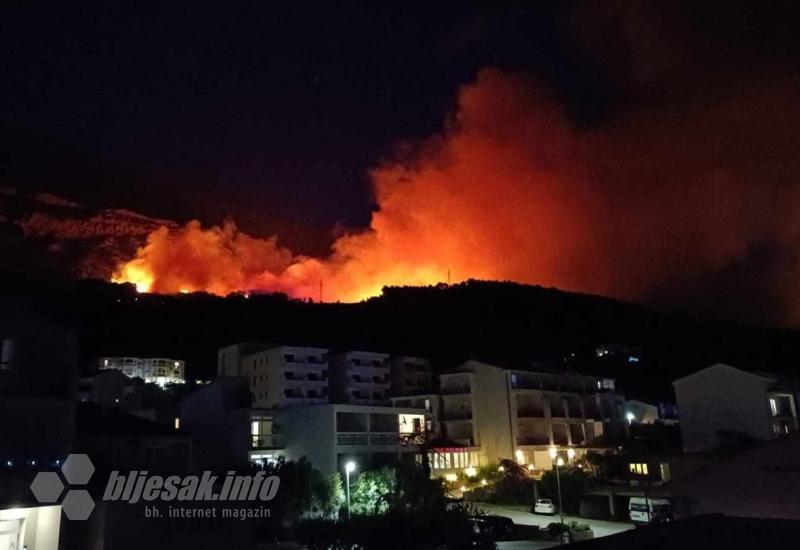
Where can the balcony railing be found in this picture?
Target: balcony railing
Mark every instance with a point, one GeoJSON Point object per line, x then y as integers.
{"type": "Point", "coordinates": [381, 439]}
{"type": "Point", "coordinates": [533, 440]}
{"type": "Point", "coordinates": [530, 412]}
{"type": "Point", "coordinates": [455, 389]}
{"type": "Point", "coordinates": [273, 441]}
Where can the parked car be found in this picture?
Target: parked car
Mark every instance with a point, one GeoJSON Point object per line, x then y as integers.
{"type": "Point", "coordinates": [544, 506]}
{"type": "Point", "coordinates": [643, 511]}
{"type": "Point", "coordinates": [493, 527]}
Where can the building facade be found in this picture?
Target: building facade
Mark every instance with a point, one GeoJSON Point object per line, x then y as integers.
{"type": "Point", "coordinates": [485, 413]}
{"type": "Point", "coordinates": [722, 400]}
{"type": "Point", "coordinates": [153, 370]}
{"type": "Point", "coordinates": [360, 377]}
{"type": "Point", "coordinates": [410, 375]}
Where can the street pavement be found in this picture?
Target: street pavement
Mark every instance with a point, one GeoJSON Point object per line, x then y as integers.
{"type": "Point", "coordinates": [521, 516]}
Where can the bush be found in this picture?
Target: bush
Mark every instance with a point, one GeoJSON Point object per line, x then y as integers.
{"type": "Point", "coordinates": [574, 484]}
{"type": "Point", "coordinates": [401, 531]}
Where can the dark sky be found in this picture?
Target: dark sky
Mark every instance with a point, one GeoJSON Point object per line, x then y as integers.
{"type": "Point", "coordinates": [271, 112]}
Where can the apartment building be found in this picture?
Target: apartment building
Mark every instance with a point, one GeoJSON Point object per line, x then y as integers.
{"type": "Point", "coordinates": [722, 399]}
{"type": "Point", "coordinates": [486, 413]}
{"type": "Point", "coordinates": [370, 436]}
{"type": "Point", "coordinates": [286, 376]}
{"type": "Point", "coordinates": [230, 433]}
{"type": "Point", "coordinates": [410, 375]}
{"type": "Point", "coordinates": [360, 377]}
{"type": "Point", "coordinates": [154, 370]}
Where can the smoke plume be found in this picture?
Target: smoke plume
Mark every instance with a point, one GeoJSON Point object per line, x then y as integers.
{"type": "Point", "coordinates": [514, 189]}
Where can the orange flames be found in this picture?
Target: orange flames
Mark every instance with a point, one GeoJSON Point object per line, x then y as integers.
{"type": "Point", "coordinates": [512, 191]}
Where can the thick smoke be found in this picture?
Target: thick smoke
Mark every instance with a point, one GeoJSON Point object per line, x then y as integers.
{"type": "Point", "coordinates": [658, 199]}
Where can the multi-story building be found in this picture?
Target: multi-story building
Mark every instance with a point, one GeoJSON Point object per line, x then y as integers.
{"type": "Point", "coordinates": [370, 436]}
{"type": "Point", "coordinates": [359, 377]}
{"type": "Point", "coordinates": [229, 432]}
{"type": "Point", "coordinates": [722, 400]}
{"type": "Point", "coordinates": [155, 370]}
{"type": "Point", "coordinates": [487, 413]}
{"type": "Point", "coordinates": [409, 375]}
{"type": "Point", "coordinates": [286, 376]}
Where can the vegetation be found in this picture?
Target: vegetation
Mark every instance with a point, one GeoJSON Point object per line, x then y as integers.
{"type": "Point", "coordinates": [574, 484]}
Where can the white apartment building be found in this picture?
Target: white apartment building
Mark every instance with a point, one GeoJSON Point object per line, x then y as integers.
{"type": "Point", "coordinates": [286, 376]}
{"type": "Point", "coordinates": [722, 398]}
{"type": "Point", "coordinates": [331, 435]}
{"type": "Point", "coordinates": [486, 413]}
{"type": "Point", "coordinates": [410, 375]}
{"type": "Point", "coordinates": [359, 377]}
{"type": "Point", "coordinates": [155, 370]}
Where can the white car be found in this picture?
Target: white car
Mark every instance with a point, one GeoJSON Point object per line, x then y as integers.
{"type": "Point", "coordinates": [544, 506]}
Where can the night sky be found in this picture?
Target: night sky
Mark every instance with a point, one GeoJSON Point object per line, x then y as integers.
{"type": "Point", "coordinates": [273, 113]}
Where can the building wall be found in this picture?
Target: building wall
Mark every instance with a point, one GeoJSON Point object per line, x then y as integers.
{"type": "Point", "coordinates": [759, 482]}
{"type": "Point", "coordinates": [410, 375]}
{"type": "Point", "coordinates": [492, 401]}
{"type": "Point", "coordinates": [218, 418]}
{"type": "Point", "coordinates": [287, 376]}
{"type": "Point", "coordinates": [359, 377]}
{"type": "Point", "coordinates": [717, 398]}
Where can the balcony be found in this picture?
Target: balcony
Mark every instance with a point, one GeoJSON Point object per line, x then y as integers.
{"type": "Point", "coordinates": [352, 438]}
{"type": "Point", "coordinates": [266, 441]}
{"type": "Point", "coordinates": [533, 440]}
{"type": "Point", "coordinates": [456, 389]}
{"type": "Point", "coordinates": [530, 412]}
{"type": "Point", "coordinates": [457, 415]}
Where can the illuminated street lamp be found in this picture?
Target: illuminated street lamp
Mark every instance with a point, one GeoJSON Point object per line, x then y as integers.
{"type": "Point", "coordinates": [348, 468]}
{"type": "Point", "coordinates": [558, 462]}
{"type": "Point", "coordinates": [570, 454]}
{"type": "Point", "coordinates": [630, 416]}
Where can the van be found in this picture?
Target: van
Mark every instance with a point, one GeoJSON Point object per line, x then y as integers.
{"type": "Point", "coordinates": [643, 511]}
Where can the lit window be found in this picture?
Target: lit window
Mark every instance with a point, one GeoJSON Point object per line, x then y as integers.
{"type": "Point", "coordinates": [177, 423]}
{"type": "Point", "coordinates": [773, 406]}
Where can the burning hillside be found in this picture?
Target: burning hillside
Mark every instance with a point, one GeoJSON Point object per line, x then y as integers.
{"type": "Point", "coordinates": [512, 191]}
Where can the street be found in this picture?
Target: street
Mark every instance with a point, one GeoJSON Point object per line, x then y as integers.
{"type": "Point", "coordinates": [521, 516]}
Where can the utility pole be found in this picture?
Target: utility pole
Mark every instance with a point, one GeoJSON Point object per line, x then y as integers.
{"type": "Point", "coordinates": [320, 290]}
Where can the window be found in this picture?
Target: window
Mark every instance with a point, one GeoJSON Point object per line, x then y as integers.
{"type": "Point", "coordinates": [665, 473]}
{"type": "Point", "coordinates": [513, 380]}
{"type": "Point", "coordinates": [289, 358]}
{"type": "Point", "coordinates": [7, 351]}
{"type": "Point", "coordinates": [638, 468]}
{"type": "Point", "coordinates": [427, 404]}
{"type": "Point", "coordinates": [773, 406]}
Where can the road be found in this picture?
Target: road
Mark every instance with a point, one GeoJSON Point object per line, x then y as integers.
{"type": "Point", "coordinates": [521, 516]}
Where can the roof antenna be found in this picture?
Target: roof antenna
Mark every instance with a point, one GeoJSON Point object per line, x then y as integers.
{"type": "Point", "coordinates": [320, 291]}
{"type": "Point", "coordinates": [448, 276]}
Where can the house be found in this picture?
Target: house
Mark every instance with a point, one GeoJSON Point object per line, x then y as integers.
{"type": "Point", "coordinates": [722, 400]}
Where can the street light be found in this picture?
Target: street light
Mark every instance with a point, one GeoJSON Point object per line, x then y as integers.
{"type": "Point", "coordinates": [558, 462]}
{"type": "Point", "coordinates": [630, 416]}
{"type": "Point", "coordinates": [348, 468]}
{"type": "Point", "coordinates": [570, 454]}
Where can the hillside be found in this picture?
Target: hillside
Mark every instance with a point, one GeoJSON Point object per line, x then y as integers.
{"type": "Point", "coordinates": [505, 323]}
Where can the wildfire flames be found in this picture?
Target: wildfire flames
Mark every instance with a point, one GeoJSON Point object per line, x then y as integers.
{"type": "Point", "coordinates": [512, 190]}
